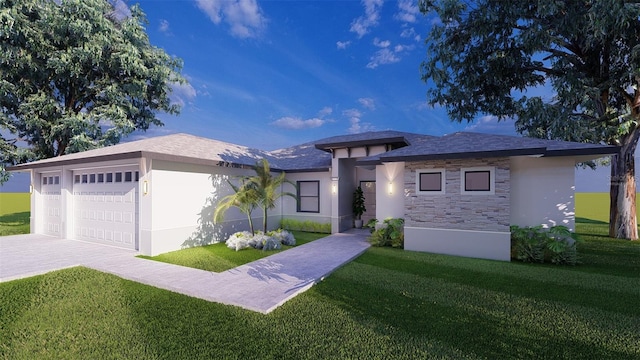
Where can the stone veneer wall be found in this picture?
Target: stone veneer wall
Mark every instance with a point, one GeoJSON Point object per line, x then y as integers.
{"type": "Point", "coordinates": [455, 211]}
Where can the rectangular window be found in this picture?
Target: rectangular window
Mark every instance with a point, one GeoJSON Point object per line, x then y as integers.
{"type": "Point", "coordinates": [128, 176]}
{"type": "Point", "coordinates": [430, 181]}
{"type": "Point", "coordinates": [478, 181]}
{"type": "Point", "coordinates": [109, 177]}
{"type": "Point", "coordinates": [100, 178]}
{"type": "Point", "coordinates": [85, 178]}
{"type": "Point", "coordinates": [309, 196]}
{"type": "Point", "coordinates": [92, 178]}
{"type": "Point", "coordinates": [137, 176]}
{"type": "Point", "coordinates": [118, 177]}
{"type": "Point", "coordinates": [76, 179]}
{"type": "Point", "coordinates": [44, 180]}
{"type": "Point", "coordinates": [56, 180]}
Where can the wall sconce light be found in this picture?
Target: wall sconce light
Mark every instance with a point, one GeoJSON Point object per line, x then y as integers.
{"type": "Point", "coordinates": [390, 186]}
{"type": "Point", "coordinates": [145, 187]}
{"type": "Point", "coordinates": [30, 188]}
{"type": "Point", "coordinates": [334, 188]}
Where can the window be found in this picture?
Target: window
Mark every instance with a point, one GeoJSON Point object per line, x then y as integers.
{"type": "Point", "coordinates": [84, 178]}
{"type": "Point", "coordinates": [100, 178]}
{"type": "Point", "coordinates": [56, 180]}
{"type": "Point", "coordinates": [309, 196]}
{"type": "Point", "coordinates": [92, 178]}
{"type": "Point", "coordinates": [430, 181]}
{"type": "Point", "coordinates": [137, 176]}
{"type": "Point", "coordinates": [76, 179]}
{"type": "Point", "coordinates": [44, 180]}
{"type": "Point", "coordinates": [477, 181]}
{"type": "Point", "coordinates": [118, 177]}
{"type": "Point", "coordinates": [109, 177]}
{"type": "Point", "coordinates": [128, 176]}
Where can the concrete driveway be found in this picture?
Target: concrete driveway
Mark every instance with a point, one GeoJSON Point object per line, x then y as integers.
{"type": "Point", "coordinates": [261, 286]}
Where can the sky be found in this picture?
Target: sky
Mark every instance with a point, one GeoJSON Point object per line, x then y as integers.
{"type": "Point", "coordinates": [273, 74]}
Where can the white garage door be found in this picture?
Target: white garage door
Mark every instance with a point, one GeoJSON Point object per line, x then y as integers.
{"type": "Point", "coordinates": [51, 203]}
{"type": "Point", "coordinates": [106, 206]}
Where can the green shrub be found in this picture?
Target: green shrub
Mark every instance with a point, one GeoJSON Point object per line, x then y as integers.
{"type": "Point", "coordinates": [535, 244]}
{"type": "Point", "coordinates": [390, 233]}
{"type": "Point", "coordinates": [306, 225]}
{"type": "Point", "coordinates": [371, 224]}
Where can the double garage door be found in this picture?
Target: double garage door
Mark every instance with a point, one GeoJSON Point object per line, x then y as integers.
{"type": "Point", "coordinates": [105, 205]}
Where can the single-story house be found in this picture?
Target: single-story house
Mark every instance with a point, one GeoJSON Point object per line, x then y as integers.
{"type": "Point", "coordinates": [458, 193]}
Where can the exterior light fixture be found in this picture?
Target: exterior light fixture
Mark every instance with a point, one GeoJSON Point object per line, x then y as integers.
{"type": "Point", "coordinates": [390, 186]}
{"type": "Point", "coordinates": [334, 188]}
{"type": "Point", "coordinates": [145, 187]}
{"type": "Point", "coordinates": [30, 188]}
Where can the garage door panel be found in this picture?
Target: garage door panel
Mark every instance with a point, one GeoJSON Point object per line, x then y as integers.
{"type": "Point", "coordinates": [107, 209]}
{"type": "Point", "coordinates": [51, 203]}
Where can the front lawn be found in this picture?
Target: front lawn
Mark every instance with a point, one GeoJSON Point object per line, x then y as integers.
{"type": "Point", "coordinates": [14, 213]}
{"type": "Point", "coordinates": [386, 304]}
{"type": "Point", "coordinates": [218, 257]}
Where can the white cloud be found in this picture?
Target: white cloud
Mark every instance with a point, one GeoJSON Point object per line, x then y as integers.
{"type": "Point", "coordinates": [121, 10]}
{"type": "Point", "coordinates": [411, 33]}
{"type": "Point", "coordinates": [343, 44]}
{"type": "Point", "coordinates": [244, 17]}
{"type": "Point", "coordinates": [381, 43]}
{"type": "Point", "coordinates": [368, 103]}
{"type": "Point", "coordinates": [490, 124]}
{"type": "Point", "coordinates": [357, 126]}
{"type": "Point", "coordinates": [325, 111]}
{"type": "Point", "coordinates": [370, 18]}
{"type": "Point", "coordinates": [386, 55]}
{"type": "Point", "coordinates": [182, 93]}
{"type": "Point", "coordinates": [296, 123]}
{"type": "Point", "coordinates": [407, 11]}
{"type": "Point", "coordinates": [164, 26]}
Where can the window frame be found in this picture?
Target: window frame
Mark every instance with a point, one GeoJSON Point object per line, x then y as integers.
{"type": "Point", "coordinates": [492, 180]}
{"type": "Point", "coordinates": [298, 196]}
{"type": "Point", "coordinates": [443, 182]}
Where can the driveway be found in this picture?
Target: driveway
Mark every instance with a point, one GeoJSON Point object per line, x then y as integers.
{"type": "Point", "coordinates": [261, 286]}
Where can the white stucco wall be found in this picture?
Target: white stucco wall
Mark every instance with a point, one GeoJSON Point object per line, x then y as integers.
{"type": "Point", "coordinates": [542, 191]}
{"type": "Point", "coordinates": [289, 204]}
{"type": "Point", "coordinates": [390, 191]}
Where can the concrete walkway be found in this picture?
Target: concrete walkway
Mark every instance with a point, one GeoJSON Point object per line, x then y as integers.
{"type": "Point", "coordinates": [261, 286]}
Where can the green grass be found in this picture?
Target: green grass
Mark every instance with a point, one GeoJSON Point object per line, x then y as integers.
{"type": "Point", "coordinates": [386, 304]}
{"type": "Point", "coordinates": [218, 257]}
{"type": "Point", "coordinates": [14, 213]}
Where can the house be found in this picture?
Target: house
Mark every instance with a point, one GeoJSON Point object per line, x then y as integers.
{"type": "Point", "coordinates": [458, 193]}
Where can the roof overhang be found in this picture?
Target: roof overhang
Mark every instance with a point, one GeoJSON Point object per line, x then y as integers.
{"type": "Point", "coordinates": [396, 141]}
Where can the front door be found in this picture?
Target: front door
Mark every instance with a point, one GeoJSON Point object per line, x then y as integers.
{"type": "Point", "coordinates": [369, 190]}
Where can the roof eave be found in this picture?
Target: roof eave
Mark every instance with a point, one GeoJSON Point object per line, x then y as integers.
{"type": "Point", "coordinates": [466, 155]}
{"type": "Point", "coordinates": [396, 140]}
{"type": "Point", "coordinates": [602, 151]}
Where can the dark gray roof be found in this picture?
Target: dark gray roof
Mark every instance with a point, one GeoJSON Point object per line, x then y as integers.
{"type": "Point", "coordinates": [466, 145]}
{"type": "Point", "coordinates": [390, 137]}
{"type": "Point", "coordinates": [314, 156]}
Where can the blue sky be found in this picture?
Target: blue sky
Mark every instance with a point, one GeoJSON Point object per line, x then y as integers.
{"type": "Point", "coordinates": [272, 74]}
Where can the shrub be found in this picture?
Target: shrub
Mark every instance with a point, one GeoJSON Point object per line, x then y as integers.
{"type": "Point", "coordinates": [371, 225]}
{"type": "Point", "coordinates": [535, 244]}
{"type": "Point", "coordinates": [390, 233]}
{"type": "Point", "coordinates": [272, 240]}
{"type": "Point", "coordinates": [306, 225]}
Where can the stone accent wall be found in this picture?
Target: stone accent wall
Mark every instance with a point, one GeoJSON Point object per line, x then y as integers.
{"type": "Point", "coordinates": [455, 211]}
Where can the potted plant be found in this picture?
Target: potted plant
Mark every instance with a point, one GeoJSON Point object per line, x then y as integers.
{"type": "Point", "coordinates": [358, 207]}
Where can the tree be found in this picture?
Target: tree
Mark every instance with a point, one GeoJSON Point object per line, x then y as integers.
{"type": "Point", "coordinates": [75, 75]}
{"type": "Point", "coordinates": [268, 188]}
{"type": "Point", "coordinates": [244, 197]}
{"type": "Point", "coordinates": [485, 57]}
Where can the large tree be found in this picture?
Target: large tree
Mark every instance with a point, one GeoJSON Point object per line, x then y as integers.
{"type": "Point", "coordinates": [562, 69]}
{"type": "Point", "coordinates": [77, 74]}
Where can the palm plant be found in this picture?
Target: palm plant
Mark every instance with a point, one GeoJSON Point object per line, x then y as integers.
{"type": "Point", "coordinates": [244, 197]}
{"type": "Point", "coordinates": [267, 188]}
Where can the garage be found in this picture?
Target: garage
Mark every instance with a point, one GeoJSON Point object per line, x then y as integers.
{"type": "Point", "coordinates": [105, 203]}
{"type": "Point", "coordinates": [51, 203]}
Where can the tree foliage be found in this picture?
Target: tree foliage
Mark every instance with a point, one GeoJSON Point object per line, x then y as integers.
{"type": "Point", "coordinates": [75, 75]}
{"type": "Point", "coordinates": [565, 70]}
{"type": "Point", "coordinates": [244, 197]}
{"type": "Point", "coordinates": [268, 187]}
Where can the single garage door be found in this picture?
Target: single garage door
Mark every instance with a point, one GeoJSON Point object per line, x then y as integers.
{"type": "Point", "coordinates": [51, 203]}
{"type": "Point", "coordinates": [106, 206]}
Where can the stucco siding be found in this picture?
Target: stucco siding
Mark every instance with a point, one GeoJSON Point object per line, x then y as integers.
{"type": "Point", "coordinates": [543, 191]}
{"type": "Point", "coordinates": [289, 204]}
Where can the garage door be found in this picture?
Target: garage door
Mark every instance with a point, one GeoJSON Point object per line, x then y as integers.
{"type": "Point", "coordinates": [106, 206]}
{"type": "Point", "coordinates": [51, 203]}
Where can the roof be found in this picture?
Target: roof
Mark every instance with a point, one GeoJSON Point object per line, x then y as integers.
{"type": "Point", "coordinates": [314, 156]}
{"type": "Point", "coordinates": [474, 145]}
